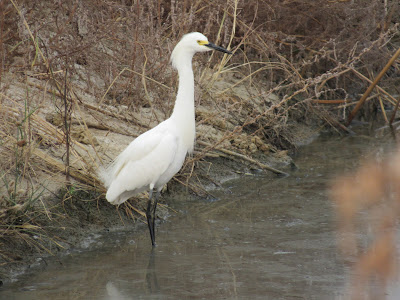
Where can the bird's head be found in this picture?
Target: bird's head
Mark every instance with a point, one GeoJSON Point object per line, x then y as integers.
{"type": "Point", "coordinates": [194, 42]}
{"type": "Point", "coordinates": [199, 43]}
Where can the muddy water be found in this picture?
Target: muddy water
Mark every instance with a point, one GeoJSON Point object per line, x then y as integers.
{"type": "Point", "coordinates": [257, 239]}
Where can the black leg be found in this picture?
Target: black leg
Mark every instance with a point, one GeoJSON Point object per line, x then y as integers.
{"type": "Point", "coordinates": [150, 221]}
{"type": "Point", "coordinates": [151, 215]}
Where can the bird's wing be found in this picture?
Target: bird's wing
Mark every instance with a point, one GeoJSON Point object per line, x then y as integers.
{"type": "Point", "coordinates": [142, 167]}
{"type": "Point", "coordinates": [137, 149]}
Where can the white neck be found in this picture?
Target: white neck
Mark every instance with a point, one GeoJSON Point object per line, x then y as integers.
{"type": "Point", "coordinates": [183, 114]}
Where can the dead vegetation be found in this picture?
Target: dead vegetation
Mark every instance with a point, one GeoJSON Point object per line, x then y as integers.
{"type": "Point", "coordinates": [79, 81]}
{"type": "Point", "coordinates": [368, 203]}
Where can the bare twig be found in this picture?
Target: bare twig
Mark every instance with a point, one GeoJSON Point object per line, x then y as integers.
{"type": "Point", "coordinates": [246, 158]}
{"type": "Point", "coordinates": [394, 112]}
{"type": "Point", "coordinates": [371, 87]}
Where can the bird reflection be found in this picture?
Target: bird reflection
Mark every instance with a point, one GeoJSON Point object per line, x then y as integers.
{"type": "Point", "coordinates": [151, 275]}
{"type": "Point", "coordinates": [116, 292]}
{"type": "Point", "coordinates": [113, 293]}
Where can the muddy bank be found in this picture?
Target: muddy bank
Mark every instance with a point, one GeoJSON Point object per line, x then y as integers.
{"type": "Point", "coordinates": [70, 224]}
{"type": "Point", "coordinates": [63, 220]}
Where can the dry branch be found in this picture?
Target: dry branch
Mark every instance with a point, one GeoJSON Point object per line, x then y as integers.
{"type": "Point", "coordinates": [245, 158]}
{"type": "Point", "coordinates": [372, 86]}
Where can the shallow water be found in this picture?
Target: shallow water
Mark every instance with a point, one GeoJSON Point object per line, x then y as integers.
{"type": "Point", "coordinates": [258, 239]}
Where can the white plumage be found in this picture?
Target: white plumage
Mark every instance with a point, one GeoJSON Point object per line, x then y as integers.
{"type": "Point", "coordinates": [154, 157]}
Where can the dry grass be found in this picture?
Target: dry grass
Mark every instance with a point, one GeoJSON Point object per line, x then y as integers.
{"type": "Point", "coordinates": [69, 71]}
{"type": "Point", "coordinates": [368, 204]}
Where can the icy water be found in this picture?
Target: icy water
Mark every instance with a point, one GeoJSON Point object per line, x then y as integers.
{"type": "Point", "coordinates": [260, 238]}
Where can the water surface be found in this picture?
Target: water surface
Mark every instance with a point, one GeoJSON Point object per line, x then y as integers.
{"type": "Point", "coordinates": [258, 239]}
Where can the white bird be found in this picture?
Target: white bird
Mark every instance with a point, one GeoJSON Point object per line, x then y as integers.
{"type": "Point", "coordinates": [155, 156]}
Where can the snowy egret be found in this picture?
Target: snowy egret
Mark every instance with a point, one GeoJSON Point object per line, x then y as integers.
{"type": "Point", "coordinates": [154, 157]}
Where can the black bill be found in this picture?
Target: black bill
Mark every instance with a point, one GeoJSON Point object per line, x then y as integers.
{"type": "Point", "coordinates": [218, 48]}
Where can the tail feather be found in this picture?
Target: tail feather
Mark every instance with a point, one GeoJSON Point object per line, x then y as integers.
{"type": "Point", "coordinates": [116, 195]}
{"type": "Point", "coordinates": [105, 175]}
